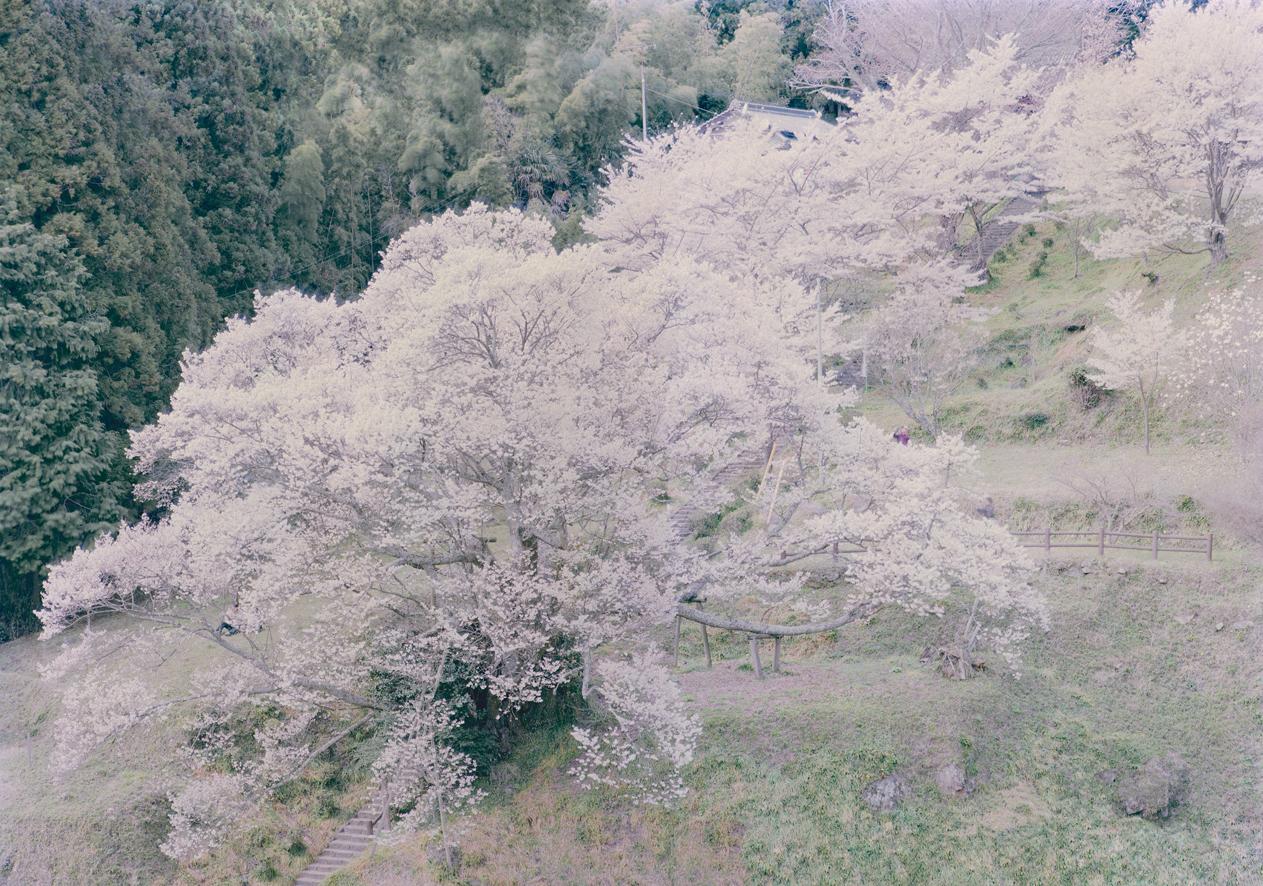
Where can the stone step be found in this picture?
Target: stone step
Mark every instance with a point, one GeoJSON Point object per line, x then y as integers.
{"type": "Point", "coordinates": [324, 869]}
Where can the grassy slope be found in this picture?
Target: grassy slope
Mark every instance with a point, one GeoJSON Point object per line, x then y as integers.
{"type": "Point", "coordinates": [1033, 347]}
{"type": "Point", "coordinates": [104, 822]}
{"type": "Point", "coordinates": [774, 795]}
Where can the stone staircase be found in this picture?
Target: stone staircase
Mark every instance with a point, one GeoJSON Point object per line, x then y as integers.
{"type": "Point", "coordinates": [353, 839]}
{"type": "Point", "coordinates": [684, 518]}
{"type": "Point", "coordinates": [999, 232]}
{"type": "Point", "coordinates": [348, 844]}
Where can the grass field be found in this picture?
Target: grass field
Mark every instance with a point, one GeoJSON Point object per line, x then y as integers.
{"type": "Point", "coordinates": [1131, 669]}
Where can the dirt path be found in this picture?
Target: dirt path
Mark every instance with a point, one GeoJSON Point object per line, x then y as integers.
{"type": "Point", "coordinates": [1051, 472]}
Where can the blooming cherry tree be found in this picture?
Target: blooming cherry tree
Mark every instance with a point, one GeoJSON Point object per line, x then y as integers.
{"type": "Point", "coordinates": [864, 45]}
{"type": "Point", "coordinates": [1136, 353]}
{"type": "Point", "coordinates": [921, 343]}
{"type": "Point", "coordinates": [455, 473]}
{"type": "Point", "coordinates": [1167, 142]}
{"type": "Point", "coordinates": [1219, 371]}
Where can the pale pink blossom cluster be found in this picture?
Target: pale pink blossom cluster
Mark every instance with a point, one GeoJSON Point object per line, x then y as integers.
{"type": "Point", "coordinates": [1220, 367]}
{"type": "Point", "coordinates": [1136, 352]}
{"type": "Point", "coordinates": [649, 738]}
{"type": "Point", "coordinates": [1165, 144]}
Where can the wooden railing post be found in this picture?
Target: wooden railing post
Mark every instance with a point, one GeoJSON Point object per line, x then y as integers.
{"type": "Point", "coordinates": [754, 655]}
{"type": "Point", "coordinates": [1155, 544]}
{"type": "Point", "coordinates": [677, 641]}
{"type": "Point", "coordinates": [1101, 541]}
{"type": "Point", "coordinates": [1210, 547]}
{"type": "Point", "coordinates": [776, 654]}
{"type": "Point", "coordinates": [1048, 539]}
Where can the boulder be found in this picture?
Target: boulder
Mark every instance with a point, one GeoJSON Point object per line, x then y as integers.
{"type": "Point", "coordinates": [950, 780]}
{"type": "Point", "coordinates": [886, 793]}
{"type": "Point", "coordinates": [1156, 788]}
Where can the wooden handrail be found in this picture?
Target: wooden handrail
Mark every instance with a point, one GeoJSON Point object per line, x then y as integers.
{"type": "Point", "coordinates": [1102, 539]}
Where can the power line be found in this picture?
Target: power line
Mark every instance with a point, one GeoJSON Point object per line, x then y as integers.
{"type": "Point", "coordinates": [708, 114]}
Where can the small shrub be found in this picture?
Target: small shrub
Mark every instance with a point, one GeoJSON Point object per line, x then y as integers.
{"type": "Point", "coordinates": [1048, 242]}
{"type": "Point", "coordinates": [1084, 390]}
{"type": "Point", "coordinates": [1037, 267]}
{"type": "Point", "coordinates": [1152, 277]}
{"type": "Point", "coordinates": [1034, 421]}
{"type": "Point", "coordinates": [268, 872]}
{"type": "Point", "coordinates": [711, 524]}
{"type": "Point", "coordinates": [297, 848]}
{"type": "Point", "coordinates": [258, 838]}
{"type": "Point", "coordinates": [328, 808]}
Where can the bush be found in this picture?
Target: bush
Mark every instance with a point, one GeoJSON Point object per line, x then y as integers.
{"type": "Point", "coordinates": [1037, 267]}
{"type": "Point", "coordinates": [1034, 421]}
{"type": "Point", "coordinates": [1083, 390]}
{"type": "Point", "coordinates": [1048, 242]}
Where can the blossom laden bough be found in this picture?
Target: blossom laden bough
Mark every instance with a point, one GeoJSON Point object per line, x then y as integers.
{"type": "Point", "coordinates": [449, 482]}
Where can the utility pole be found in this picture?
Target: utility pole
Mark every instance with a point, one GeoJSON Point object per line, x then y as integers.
{"type": "Point", "coordinates": [819, 333]}
{"type": "Point", "coordinates": [644, 116]}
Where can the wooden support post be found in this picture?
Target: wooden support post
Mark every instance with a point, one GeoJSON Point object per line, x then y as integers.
{"type": "Point", "coordinates": [767, 469]}
{"type": "Point", "coordinates": [835, 552]}
{"type": "Point", "coordinates": [677, 641]}
{"type": "Point", "coordinates": [1210, 547]}
{"type": "Point", "coordinates": [701, 604]}
{"type": "Point", "coordinates": [1048, 539]}
{"type": "Point", "coordinates": [776, 655]}
{"type": "Point", "coordinates": [780, 475]}
{"type": "Point", "coordinates": [1155, 544]}
{"type": "Point", "coordinates": [754, 655]}
{"type": "Point", "coordinates": [1101, 541]}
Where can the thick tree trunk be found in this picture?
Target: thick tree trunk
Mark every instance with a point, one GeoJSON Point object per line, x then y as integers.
{"type": "Point", "coordinates": [1217, 241]}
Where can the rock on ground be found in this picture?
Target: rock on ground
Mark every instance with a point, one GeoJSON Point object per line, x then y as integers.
{"type": "Point", "coordinates": [950, 780]}
{"type": "Point", "coordinates": [1156, 788]}
{"type": "Point", "coordinates": [886, 793]}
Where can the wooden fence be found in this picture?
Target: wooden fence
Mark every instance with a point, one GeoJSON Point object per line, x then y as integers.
{"type": "Point", "coordinates": [1107, 539]}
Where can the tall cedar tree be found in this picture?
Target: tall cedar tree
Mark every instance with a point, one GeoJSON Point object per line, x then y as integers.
{"type": "Point", "coordinates": [55, 455]}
